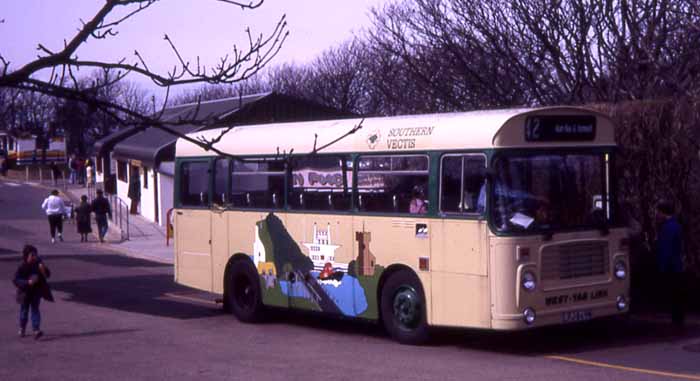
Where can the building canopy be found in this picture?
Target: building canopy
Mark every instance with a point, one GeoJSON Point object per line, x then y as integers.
{"type": "Point", "coordinates": [151, 146]}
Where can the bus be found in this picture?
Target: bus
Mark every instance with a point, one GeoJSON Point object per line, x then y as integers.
{"type": "Point", "coordinates": [27, 149]}
{"type": "Point", "coordinates": [501, 220]}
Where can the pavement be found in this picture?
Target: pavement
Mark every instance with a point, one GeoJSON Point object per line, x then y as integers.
{"type": "Point", "coordinates": [146, 239]}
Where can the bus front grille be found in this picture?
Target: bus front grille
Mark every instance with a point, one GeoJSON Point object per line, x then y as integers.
{"type": "Point", "coordinates": [575, 260]}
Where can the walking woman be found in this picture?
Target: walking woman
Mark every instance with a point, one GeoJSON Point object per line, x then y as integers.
{"type": "Point", "coordinates": [82, 217]}
{"type": "Point", "coordinates": [31, 282]}
{"type": "Point", "coordinates": [55, 208]}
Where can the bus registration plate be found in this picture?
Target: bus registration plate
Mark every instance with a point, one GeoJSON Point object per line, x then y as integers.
{"type": "Point", "coordinates": [574, 316]}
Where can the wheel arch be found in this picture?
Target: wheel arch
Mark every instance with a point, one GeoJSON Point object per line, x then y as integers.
{"type": "Point", "coordinates": [229, 264]}
{"type": "Point", "coordinates": [386, 274]}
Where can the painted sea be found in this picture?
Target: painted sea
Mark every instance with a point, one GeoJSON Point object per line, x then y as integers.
{"type": "Point", "coordinates": [348, 296]}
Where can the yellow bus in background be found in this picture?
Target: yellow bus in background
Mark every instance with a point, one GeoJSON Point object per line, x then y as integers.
{"type": "Point", "coordinates": [500, 220]}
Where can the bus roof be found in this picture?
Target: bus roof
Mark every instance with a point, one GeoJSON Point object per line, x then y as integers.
{"type": "Point", "coordinates": [572, 126]}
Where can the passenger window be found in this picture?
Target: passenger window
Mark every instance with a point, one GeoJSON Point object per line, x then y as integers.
{"type": "Point", "coordinates": [257, 184]}
{"type": "Point", "coordinates": [221, 178]}
{"type": "Point", "coordinates": [321, 183]}
{"type": "Point", "coordinates": [194, 184]}
{"type": "Point", "coordinates": [393, 184]}
{"type": "Point", "coordinates": [463, 184]}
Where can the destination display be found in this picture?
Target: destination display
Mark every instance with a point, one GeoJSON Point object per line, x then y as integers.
{"type": "Point", "coordinates": [555, 128]}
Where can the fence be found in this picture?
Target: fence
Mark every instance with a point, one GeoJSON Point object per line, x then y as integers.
{"type": "Point", "coordinates": [42, 175]}
{"type": "Point", "coordinates": [120, 215]}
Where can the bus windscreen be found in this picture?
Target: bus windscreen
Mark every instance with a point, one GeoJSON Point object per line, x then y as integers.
{"type": "Point", "coordinates": [549, 192]}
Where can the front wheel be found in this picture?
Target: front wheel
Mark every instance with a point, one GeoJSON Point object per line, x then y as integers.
{"type": "Point", "coordinates": [403, 308]}
{"type": "Point", "coordinates": [244, 294]}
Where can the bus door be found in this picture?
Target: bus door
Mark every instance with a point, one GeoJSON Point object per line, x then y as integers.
{"type": "Point", "coordinates": [194, 247]}
{"type": "Point", "coordinates": [460, 246]}
{"type": "Point", "coordinates": [193, 226]}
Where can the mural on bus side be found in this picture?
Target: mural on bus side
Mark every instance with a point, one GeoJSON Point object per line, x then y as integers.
{"type": "Point", "coordinates": [317, 282]}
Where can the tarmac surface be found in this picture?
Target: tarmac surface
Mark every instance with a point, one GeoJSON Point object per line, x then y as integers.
{"type": "Point", "coordinates": [118, 317]}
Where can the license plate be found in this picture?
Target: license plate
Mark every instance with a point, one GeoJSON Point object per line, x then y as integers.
{"type": "Point", "coordinates": [574, 316]}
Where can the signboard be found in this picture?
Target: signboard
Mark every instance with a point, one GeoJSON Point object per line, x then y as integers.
{"type": "Point", "coordinates": [556, 128]}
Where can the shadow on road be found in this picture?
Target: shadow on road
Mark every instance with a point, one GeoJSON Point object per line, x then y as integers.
{"type": "Point", "coordinates": [107, 332]}
{"type": "Point", "coordinates": [331, 324]}
{"type": "Point", "coordinates": [606, 333]}
{"type": "Point", "coordinates": [144, 294]}
{"type": "Point", "coordinates": [570, 339]}
{"type": "Point", "coordinates": [110, 260]}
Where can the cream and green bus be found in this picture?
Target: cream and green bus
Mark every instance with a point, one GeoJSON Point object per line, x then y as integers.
{"type": "Point", "coordinates": [501, 220]}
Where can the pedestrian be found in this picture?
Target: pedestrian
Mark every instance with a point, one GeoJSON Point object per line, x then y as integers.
{"type": "Point", "coordinates": [89, 173]}
{"type": "Point", "coordinates": [134, 192]}
{"type": "Point", "coordinates": [3, 163]}
{"type": "Point", "coordinates": [73, 166]}
{"type": "Point", "coordinates": [56, 172]}
{"type": "Point", "coordinates": [669, 259]}
{"type": "Point", "coordinates": [80, 169]}
{"type": "Point", "coordinates": [32, 285]}
{"type": "Point", "coordinates": [82, 218]}
{"type": "Point", "coordinates": [102, 210]}
{"type": "Point", "coordinates": [55, 209]}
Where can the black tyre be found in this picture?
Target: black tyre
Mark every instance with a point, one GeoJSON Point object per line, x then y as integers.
{"type": "Point", "coordinates": [244, 296]}
{"type": "Point", "coordinates": [403, 308]}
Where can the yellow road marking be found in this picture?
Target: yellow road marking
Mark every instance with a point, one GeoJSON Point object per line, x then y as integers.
{"type": "Point", "coordinates": [626, 368]}
{"type": "Point", "coordinates": [189, 298]}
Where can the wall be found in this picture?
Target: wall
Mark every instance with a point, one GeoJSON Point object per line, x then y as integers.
{"type": "Point", "coordinates": [165, 189]}
{"type": "Point", "coordinates": [147, 205]}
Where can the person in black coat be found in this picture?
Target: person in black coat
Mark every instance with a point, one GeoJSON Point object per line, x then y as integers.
{"type": "Point", "coordinates": [102, 210]}
{"type": "Point", "coordinates": [31, 282]}
{"type": "Point", "coordinates": [82, 217]}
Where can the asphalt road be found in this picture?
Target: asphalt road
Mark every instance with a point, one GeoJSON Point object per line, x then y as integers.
{"type": "Point", "coordinates": [121, 318]}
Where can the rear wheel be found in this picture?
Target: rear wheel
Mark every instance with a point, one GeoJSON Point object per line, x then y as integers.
{"type": "Point", "coordinates": [244, 296]}
{"type": "Point", "coordinates": [403, 308]}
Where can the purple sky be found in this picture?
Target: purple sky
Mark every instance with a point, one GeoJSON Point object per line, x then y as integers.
{"type": "Point", "coordinates": [207, 28]}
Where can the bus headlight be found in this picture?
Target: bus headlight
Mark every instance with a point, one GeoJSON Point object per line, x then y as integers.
{"type": "Point", "coordinates": [621, 303]}
{"type": "Point", "coordinates": [528, 281]}
{"type": "Point", "coordinates": [620, 270]}
{"type": "Point", "coordinates": [529, 316]}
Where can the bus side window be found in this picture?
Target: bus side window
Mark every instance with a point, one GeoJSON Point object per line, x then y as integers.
{"type": "Point", "coordinates": [194, 184]}
{"type": "Point", "coordinates": [393, 184]}
{"type": "Point", "coordinates": [463, 180]}
{"type": "Point", "coordinates": [257, 184]}
{"type": "Point", "coordinates": [320, 183]}
{"type": "Point", "coordinates": [221, 177]}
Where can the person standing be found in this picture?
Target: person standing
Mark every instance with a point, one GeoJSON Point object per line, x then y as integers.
{"type": "Point", "coordinates": [102, 210]}
{"type": "Point", "coordinates": [80, 169]}
{"type": "Point", "coordinates": [89, 176]}
{"type": "Point", "coordinates": [73, 166]}
{"type": "Point", "coordinates": [32, 285]}
{"type": "Point", "coordinates": [669, 259]}
{"type": "Point", "coordinates": [82, 217]}
{"type": "Point", "coordinates": [55, 173]}
{"type": "Point", "coordinates": [54, 208]}
{"type": "Point", "coordinates": [134, 192]}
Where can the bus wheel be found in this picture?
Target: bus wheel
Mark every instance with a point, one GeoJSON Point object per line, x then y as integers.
{"type": "Point", "coordinates": [244, 295]}
{"type": "Point", "coordinates": [403, 308]}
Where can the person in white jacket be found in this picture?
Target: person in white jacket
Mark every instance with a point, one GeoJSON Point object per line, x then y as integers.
{"type": "Point", "coordinates": [54, 208]}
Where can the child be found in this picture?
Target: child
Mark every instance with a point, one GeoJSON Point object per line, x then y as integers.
{"type": "Point", "coordinates": [30, 280]}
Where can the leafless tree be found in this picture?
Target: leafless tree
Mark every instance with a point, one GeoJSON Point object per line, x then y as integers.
{"type": "Point", "coordinates": [252, 85]}
{"type": "Point", "coordinates": [63, 64]}
{"type": "Point", "coordinates": [493, 53]}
